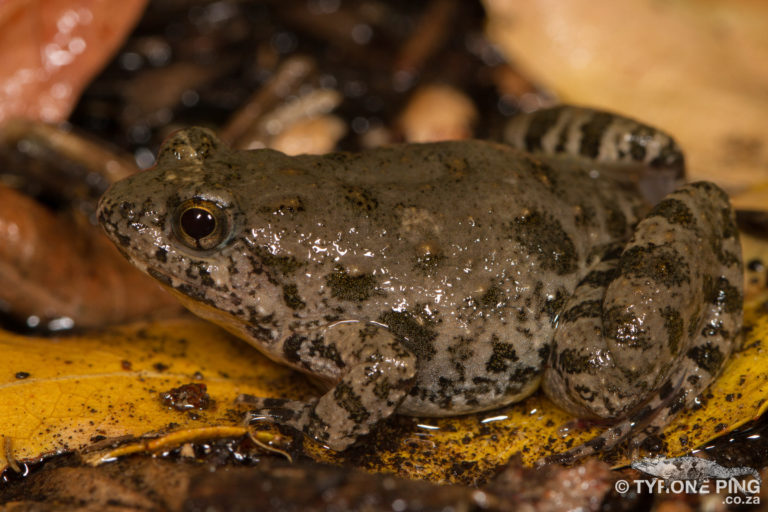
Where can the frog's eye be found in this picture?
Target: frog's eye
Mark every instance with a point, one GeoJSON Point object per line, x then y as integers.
{"type": "Point", "coordinates": [201, 224]}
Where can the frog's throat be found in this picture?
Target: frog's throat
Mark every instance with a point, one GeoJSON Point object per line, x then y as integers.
{"type": "Point", "coordinates": [225, 320]}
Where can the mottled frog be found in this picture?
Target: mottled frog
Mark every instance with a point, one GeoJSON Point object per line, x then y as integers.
{"type": "Point", "coordinates": [448, 278]}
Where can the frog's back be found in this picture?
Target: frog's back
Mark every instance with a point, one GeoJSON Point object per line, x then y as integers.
{"type": "Point", "coordinates": [464, 249]}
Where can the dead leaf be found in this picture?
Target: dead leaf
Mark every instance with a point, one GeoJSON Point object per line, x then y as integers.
{"type": "Point", "coordinates": [53, 267]}
{"type": "Point", "coordinates": [62, 394]}
{"type": "Point", "coordinates": [696, 69]}
{"type": "Point", "coordinates": [50, 50]}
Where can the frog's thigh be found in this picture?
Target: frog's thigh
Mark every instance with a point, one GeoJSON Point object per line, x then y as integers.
{"type": "Point", "coordinates": [622, 145]}
{"type": "Point", "coordinates": [662, 316]}
{"type": "Point", "coordinates": [376, 372]}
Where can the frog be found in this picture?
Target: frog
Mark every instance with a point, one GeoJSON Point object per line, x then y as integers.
{"type": "Point", "coordinates": [448, 278]}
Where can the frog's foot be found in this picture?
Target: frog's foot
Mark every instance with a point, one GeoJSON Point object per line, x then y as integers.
{"type": "Point", "coordinates": [638, 427]}
{"type": "Point", "coordinates": [374, 372]}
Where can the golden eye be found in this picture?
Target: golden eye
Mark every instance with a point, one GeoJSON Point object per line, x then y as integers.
{"type": "Point", "coordinates": [201, 224]}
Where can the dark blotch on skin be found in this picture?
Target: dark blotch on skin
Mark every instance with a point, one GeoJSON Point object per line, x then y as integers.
{"type": "Point", "coordinates": [570, 361]}
{"type": "Point", "coordinates": [285, 264]}
{"type": "Point", "coordinates": [666, 390]}
{"type": "Point", "coordinates": [600, 278]}
{"type": "Point", "coordinates": [161, 254]}
{"type": "Point", "coordinates": [416, 332]}
{"type": "Point", "coordinates": [521, 377]}
{"type": "Point", "coordinates": [585, 394]}
{"type": "Point", "coordinates": [544, 236]}
{"type": "Point", "coordinates": [348, 400]}
{"type": "Point", "coordinates": [291, 347]}
{"type": "Point", "coordinates": [492, 297]}
{"type": "Point", "coordinates": [637, 142]}
{"type": "Point", "coordinates": [723, 294]}
{"type": "Point", "coordinates": [676, 212]}
{"type": "Point", "coordinates": [125, 241]}
{"type": "Point", "coordinates": [360, 198]}
{"type": "Point", "coordinates": [707, 357]}
{"type": "Point", "coordinates": [592, 134]}
{"type": "Point", "coordinates": [205, 276]}
{"type": "Point", "coordinates": [544, 352]}
{"type": "Point", "coordinates": [346, 287]}
{"type": "Point", "coordinates": [329, 352]}
{"type": "Point", "coordinates": [258, 332]}
{"type": "Point", "coordinates": [291, 297]}
{"type": "Point", "coordinates": [586, 309]}
{"type": "Point", "coordinates": [540, 124]}
{"type": "Point", "coordinates": [673, 323]}
{"type": "Point", "coordinates": [658, 263]}
{"type": "Point", "coordinates": [562, 140]}
{"type": "Point", "coordinates": [678, 403]}
{"type": "Point", "coordinates": [715, 328]}
{"type": "Point", "coordinates": [502, 354]}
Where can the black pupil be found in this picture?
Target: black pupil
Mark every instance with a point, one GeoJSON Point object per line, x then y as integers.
{"type": "Point", "coordinates": [198, 223]}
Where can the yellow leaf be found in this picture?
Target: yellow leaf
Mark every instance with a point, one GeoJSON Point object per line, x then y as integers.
{"type": "Point", "coordinates": [61, 394]}
{"type": "Point", "coordinates": [81, 388]}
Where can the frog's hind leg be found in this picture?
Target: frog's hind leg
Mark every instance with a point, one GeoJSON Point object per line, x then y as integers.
{"type": "Point", "coordinates": [656, 324]}
{"type": "Point", "coordinates": [373, 373]}
{"type": "Point", "coordinates": [626, 149]}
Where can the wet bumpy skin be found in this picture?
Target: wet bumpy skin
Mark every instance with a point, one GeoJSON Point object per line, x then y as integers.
{"type": "Point", "coordinates": [447, 278]}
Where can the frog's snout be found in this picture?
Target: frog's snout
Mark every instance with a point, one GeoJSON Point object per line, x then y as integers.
{"type": "Point", "coordinates": [123, 214]}
{"type": "Point", "coordinates": [109, 217]}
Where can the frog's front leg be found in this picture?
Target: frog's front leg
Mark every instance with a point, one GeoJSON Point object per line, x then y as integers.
{"type": "Point", "coordinates": [372, 371]}
{"type": "Point", "coordinates": [644, 334]}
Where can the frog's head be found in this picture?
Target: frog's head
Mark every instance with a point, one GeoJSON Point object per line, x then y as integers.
{"type": "Point", "coordinates": [181, 223]}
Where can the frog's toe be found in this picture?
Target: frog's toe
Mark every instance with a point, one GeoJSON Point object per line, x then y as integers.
{"type": "Point", "coordinates": [290, 413]}
{"type": "Point", "coordinates": [301, 416]}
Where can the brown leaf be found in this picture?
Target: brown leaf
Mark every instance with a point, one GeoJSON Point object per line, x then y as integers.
{"type": "Point", "coordinates": [50, 50]}
{"type": "Point", "coordinates": [52, 266]}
